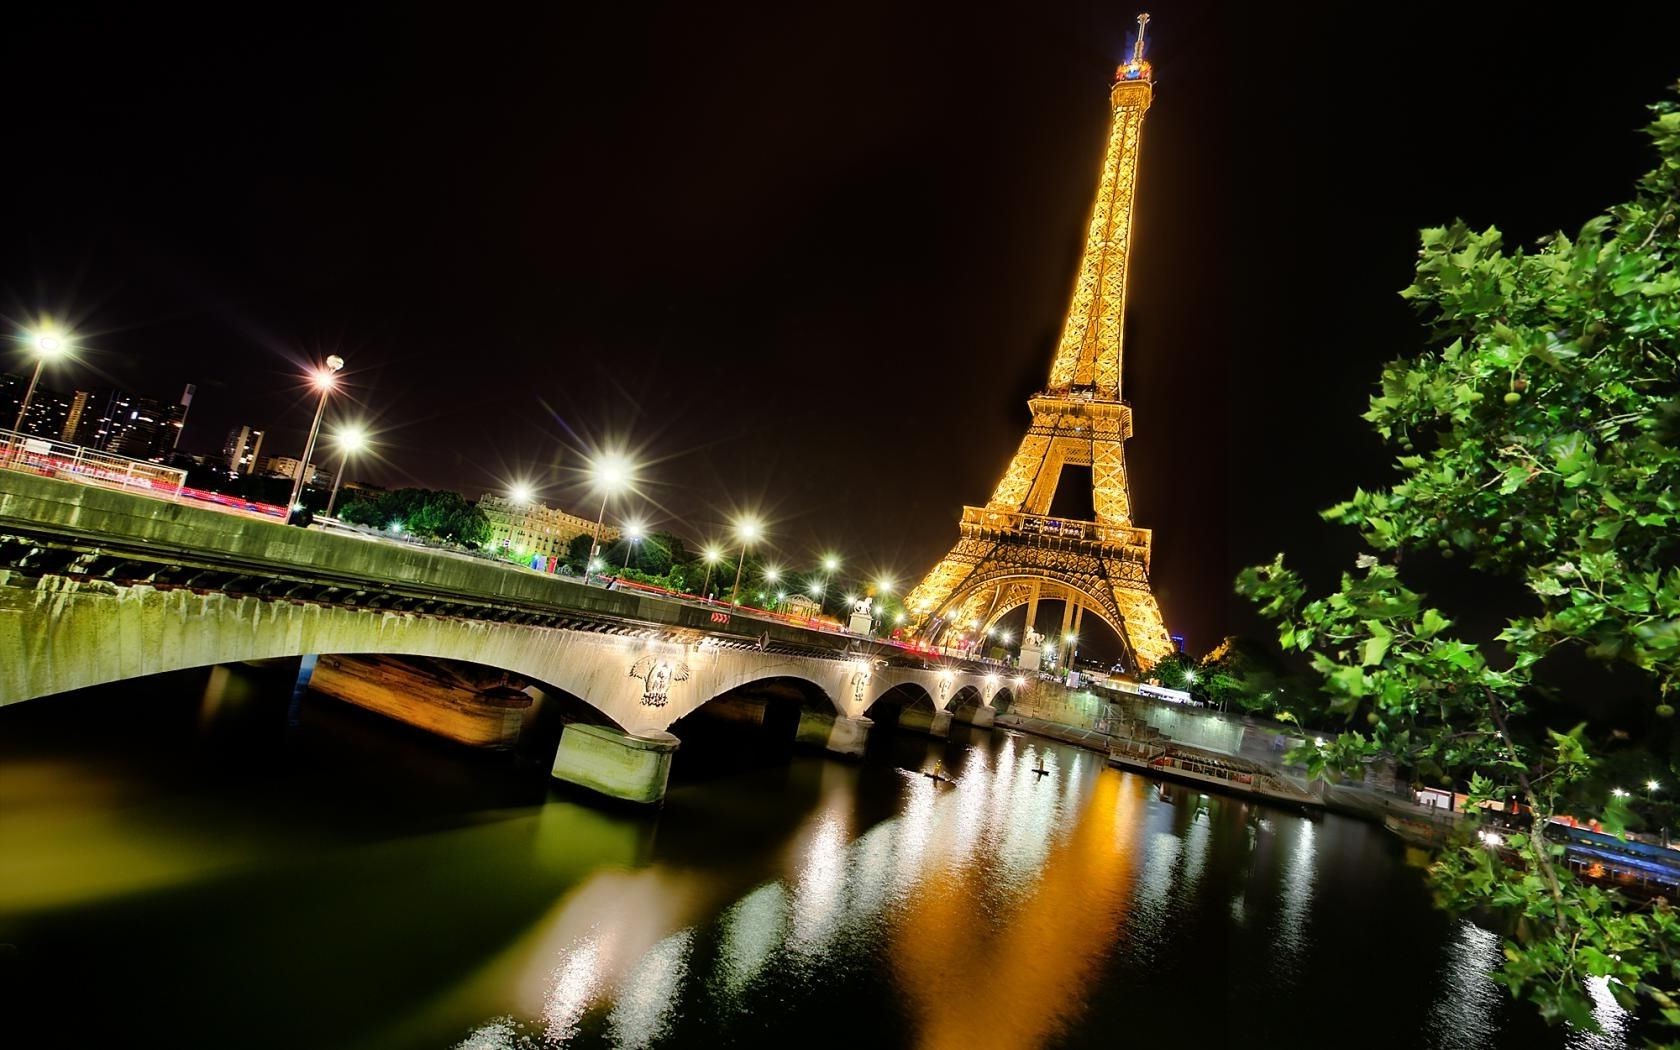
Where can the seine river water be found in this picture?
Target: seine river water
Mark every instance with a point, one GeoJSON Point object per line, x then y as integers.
{"type": "Point", "coordinates": [188, 861]}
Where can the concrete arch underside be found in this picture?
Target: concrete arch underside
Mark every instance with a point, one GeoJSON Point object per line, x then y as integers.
{"type": "Point", "coordinates": [67, 634]}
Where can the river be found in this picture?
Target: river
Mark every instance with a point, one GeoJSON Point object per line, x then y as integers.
{"type": "Point", "coordinates": [190, 861]}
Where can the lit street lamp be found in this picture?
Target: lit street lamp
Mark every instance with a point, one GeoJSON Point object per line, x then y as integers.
{"type": "Point", "coordinates": [612, 474]}
{"type": "Point", "coordinates": [633, 532]}
{"type": "Point", "coordinates": [350, 439]}
{"type": "Point", "coordinates": [747, 530]}
{"type": "Point", "coordinates": [46, 343]}
{"type": "Point", "coordinates": [712, 556]}
{"type": "Point", "coordinates": [325, 379]}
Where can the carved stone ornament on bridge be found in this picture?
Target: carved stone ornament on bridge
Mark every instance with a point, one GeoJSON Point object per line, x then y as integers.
{"type": "Point", "coordinates": [860, 682]}
{"type": "Point", "coordinates": [658, 674]}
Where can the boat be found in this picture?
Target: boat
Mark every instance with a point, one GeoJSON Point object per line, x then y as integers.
{"type": "Point", "coordinates": [1220, 772]}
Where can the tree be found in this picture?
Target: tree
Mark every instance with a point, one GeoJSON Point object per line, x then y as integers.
{"type": "Point", "coordinates": [426, 513]}
{"type": "Point", "coordinates": [1539, 442]}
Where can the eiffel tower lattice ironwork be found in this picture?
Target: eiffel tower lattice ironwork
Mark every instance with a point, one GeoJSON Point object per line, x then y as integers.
{"type": "Point", "coordinates": [1011, 552]}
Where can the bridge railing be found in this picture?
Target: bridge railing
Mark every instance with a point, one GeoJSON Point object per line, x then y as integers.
{"type": "Point", "coordinates": [60, 459]}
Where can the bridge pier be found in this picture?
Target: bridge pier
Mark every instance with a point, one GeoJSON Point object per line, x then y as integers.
{"type": "Point", "coordinates": [941, 724]}
{"type": "Point", "coordinates": [849, 736]}
{"type": "Point", "coordinates": [617, 765]}
{"type": "Point", "coordinates": [984, 716]}
{"type": "Point", "coordinates": [814, 729]}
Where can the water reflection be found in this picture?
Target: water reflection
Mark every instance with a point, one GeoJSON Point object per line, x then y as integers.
{"type": "Point", "coordinates": [751, 930]}
{"type": "Point", "coordinates": [647, 998]}
{"type": "Point", "coordinates": [816, 904]}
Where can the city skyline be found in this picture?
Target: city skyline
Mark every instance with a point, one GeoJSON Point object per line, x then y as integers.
{"type": "Point", "coordinates": [877, 297]}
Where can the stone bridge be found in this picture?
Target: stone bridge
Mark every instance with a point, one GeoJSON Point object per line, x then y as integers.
{"type": "Point", "coordinates": [100, 585]}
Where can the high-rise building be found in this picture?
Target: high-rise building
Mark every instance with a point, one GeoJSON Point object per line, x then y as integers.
{"type": "Point", "coordinates": [73, 420]}
{"type": "Point", "coordinates": [148, 432]}
{"type": "Point", "coordinates": [47, 408]}
{"type": "Point", "coordinates": [531, 528]}
{"type": "Point", "coordinates": [243, 450]}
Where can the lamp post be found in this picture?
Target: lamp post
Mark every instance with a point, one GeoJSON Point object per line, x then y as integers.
{"type": "Point", "coordinates": [350, 439]}
{"type": "Point", "coordinates": [325, 379]}
{"type": "Point", "coordinates": [746, 531]}
{"type": "Point", "coordinates": [712, 556]}
{"type": "Point", "coordinates": [46, 343]}
{"type": "Point", "coordinates": [611, 473]}
{"type": "Point", "coordinates": [830, 565]}
{"type": "Point", "coordinates": [633, 532]}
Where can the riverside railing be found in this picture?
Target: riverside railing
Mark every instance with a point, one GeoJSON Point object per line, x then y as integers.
{"type": "Point", "coordinates": [60, 459]}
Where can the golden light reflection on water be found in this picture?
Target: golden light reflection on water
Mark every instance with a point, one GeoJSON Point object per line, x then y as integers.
{"type": "Point", "coordinates": [1044, 944]}
{"type": "Point", "coordinates": [1005, 879]}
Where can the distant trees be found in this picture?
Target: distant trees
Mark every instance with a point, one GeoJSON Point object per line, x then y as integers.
{"type": "Point", "coordinates": [427, 513]}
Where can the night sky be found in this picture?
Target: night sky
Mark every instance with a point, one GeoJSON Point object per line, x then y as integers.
{"type": "Point", "coordinates": [807, 260]}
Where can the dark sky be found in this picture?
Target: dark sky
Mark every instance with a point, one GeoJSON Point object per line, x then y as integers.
{"type": "Point", "coordinates": [807, 259]}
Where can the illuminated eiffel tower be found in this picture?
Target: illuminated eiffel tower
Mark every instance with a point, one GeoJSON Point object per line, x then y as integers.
{"type": "Point", "coordinates": [1010, 552]}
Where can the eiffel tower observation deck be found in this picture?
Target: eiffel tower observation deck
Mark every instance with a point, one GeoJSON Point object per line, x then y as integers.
{"type": "Point", "coordinates": [1011, 552]}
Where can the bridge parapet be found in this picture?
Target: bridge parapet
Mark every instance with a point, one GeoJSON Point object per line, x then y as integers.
{"type": "Point", "coordinates": [97, 586]}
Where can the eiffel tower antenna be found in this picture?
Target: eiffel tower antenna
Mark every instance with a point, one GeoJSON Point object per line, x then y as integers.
{"type": "Point", "coordinates": [1010, 553]}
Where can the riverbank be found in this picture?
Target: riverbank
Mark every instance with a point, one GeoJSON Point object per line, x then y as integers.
{"type": "Point", "coordinates": [1355, 800]}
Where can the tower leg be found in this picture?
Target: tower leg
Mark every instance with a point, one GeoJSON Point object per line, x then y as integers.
{"type": "Point", "coordinates": [1032, 609]}
{"type": "Point", "coordinates": [1067, 618]}
{"type": "Point", "coordinates": [1079, 620]}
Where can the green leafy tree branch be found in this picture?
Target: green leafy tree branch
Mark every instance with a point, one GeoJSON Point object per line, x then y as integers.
{"type": "Point", "coordinates": [1541, 441]}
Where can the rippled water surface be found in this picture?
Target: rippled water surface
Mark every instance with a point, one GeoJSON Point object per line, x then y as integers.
{"type": "Point", "coordinates": [184, 863]}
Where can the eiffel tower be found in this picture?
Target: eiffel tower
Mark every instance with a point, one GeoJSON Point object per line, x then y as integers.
{"type": "Point", "coordinates": [1010, 552]}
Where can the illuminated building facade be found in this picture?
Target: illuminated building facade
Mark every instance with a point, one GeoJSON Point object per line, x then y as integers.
{"type": "Point", "coordinates": [1011, 552]}
{"type": "Point", "coordinates": [243, 450]}
{"type": "Point", "coordinates": [531, 528]}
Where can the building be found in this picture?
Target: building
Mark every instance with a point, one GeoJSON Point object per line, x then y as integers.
{"type": "Point", "coordinates": [73, 420]}
{"type": "Point", "coordinates": [148, 430]}
{"type": "Point", "coordinates": [243, 450]}
{"type": "Point", "coordinates": [287, 467]}
{"type": "Point", "coordinates": [48, 409]}
{"type": "Point", "coordinates": [531, 528]}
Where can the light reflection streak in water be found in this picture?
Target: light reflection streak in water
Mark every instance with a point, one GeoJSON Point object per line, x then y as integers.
{"type": "Point", "coordinates": [817, 899]}
{"type": "Point", "coordinates": [646, 998]}
{"type": "Point", "coordinates": [1466, 1007]}
{"type": "Point", "coordinates": [1296, 896]}
{"type": "Point", "coordinates": [1195, 852]}
{"type": "Point", "coordinates": [1029, 820]}
{"type": "Point", "coordinates": [1612, 1020]}
{"type": "Point", "coordinates": [751, 931]}
{"type": "Point", "coordinates": [575, 982]}
{"type": "Point", "coordinates": [1466, 1011]}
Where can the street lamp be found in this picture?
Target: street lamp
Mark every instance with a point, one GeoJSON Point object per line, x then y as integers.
{"type": "Point", "coordinates": [747, 531]}
{"type": "Point", "coordinates": [350, 439]}
{"type": "Point", "coordinates": [633, 533]}
{"type": "Point", "coordinates": [520, 492]}
{"type": "Point", "coordinates": [45, 343]}
{"type": "Point", "coordinates": [712, 556]}
{"type": "Point", "coordinates": [324, 379]}
{"type": "Point", "coordinates": [612, 474]}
